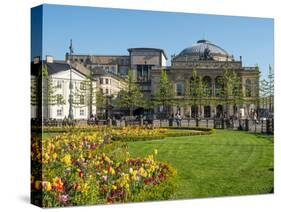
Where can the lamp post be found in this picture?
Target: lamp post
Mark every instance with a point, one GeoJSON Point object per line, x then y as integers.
{"type": "Point", "coordinates": [70, 100]}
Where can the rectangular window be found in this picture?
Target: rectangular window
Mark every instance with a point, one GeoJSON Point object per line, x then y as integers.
{"type": "Point", "coordinates": [82, 86]}
{"type": "Point", "coordinates": [143, 72]}
{"type": "Point", "coordinates": [179, 89]}
{"type": "Point", "coordinates": [107, 91]}
{"type": "Point", "coordinates": [112, 69]}
{"type": "Point", "coordinates": [82, 112]}
{"type": "Point", "coordinates": [106, 81]}
{"type": "Point", "coordinates": [59, 99]}
{"type": "Point", "coordinates": [59, 112]}
{"type": "Point", "coordinates": [101, 81]}
{"type": "Point", "coordinates": [82, 100]}
{"type": "Point", "coordinates": [59, 84]}
{"type": "Point", "coordinates": [139, 72]}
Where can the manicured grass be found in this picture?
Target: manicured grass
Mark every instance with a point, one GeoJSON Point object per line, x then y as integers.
{"type": "Point", "coordinates": [222, 164]}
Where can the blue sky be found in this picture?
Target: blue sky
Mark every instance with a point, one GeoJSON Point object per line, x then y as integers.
{"type": "Point", "coordinates": [113, 31]}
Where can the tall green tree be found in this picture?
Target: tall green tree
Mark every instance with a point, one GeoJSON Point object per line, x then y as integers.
{"type": "Point", "coordinates": [130, 97]}
{"type": "Point", "coordinates": [165, 93]}
{"type": "Point", "coordinates": [231, 92]}
{"type": "Point", "coordinates": [44, 92]}
{"type": "Point", "coordinates": [237, 97]}
{"type": "Point", "coordinates": [84, 94]}
{"type": "Point", "coordinates": [100, 101]}
{"type": "Point", "coordinates": [36, 90]}
{"type": "Point", "coordinates": [267, 91]}
{"type": "Point", "coordinates": [197, 92]}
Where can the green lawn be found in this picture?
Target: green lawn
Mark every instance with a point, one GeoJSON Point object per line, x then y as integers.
{"type": "Point", "coordinates": [225, 163]}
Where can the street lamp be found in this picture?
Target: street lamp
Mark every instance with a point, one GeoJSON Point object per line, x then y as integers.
{"type": "Point", "coordinates": [70, 100]}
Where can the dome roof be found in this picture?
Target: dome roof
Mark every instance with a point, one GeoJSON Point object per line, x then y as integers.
{"type": "Point", "coordinates": [204, 47]}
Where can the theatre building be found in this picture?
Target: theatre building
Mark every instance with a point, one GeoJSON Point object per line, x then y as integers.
{"type": "Point", "coordinates": [208, 59]}
{"type": "Point", "coordinates": [210, 62]}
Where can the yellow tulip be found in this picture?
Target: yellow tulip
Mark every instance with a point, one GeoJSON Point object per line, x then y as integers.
{"type": "Point", "coordinates": [114, 187]}
{"type": "Point", "coordinates": [38, 184]}
{"type": "Point", "coordinates": [66, 159]}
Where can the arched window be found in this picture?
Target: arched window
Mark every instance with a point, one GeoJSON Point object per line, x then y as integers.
{"type": "Point", "coordinates": [194, 111]}
{"type": "Point", "coordinates": [207, 111]}
{"type": "Point", "coordinates": [219, 111]}
{"type": "Point", "coordinates": [218, 86]}
{"type": "Point", "coordinates": [179, 89]}
{"type": "Point", "coordinates": [248, 88]}
{"type": "Point", "coordinates": [82, 100]}
{"type": "Point", "coordinates": [207, 86]}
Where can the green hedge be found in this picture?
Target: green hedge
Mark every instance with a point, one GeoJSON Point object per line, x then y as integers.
{"type": "Point", "coordinates": [137, 138]}
{"type": "Point", "coordinates": [191, 128]}
{"type": "Point", "coordinates": [171, 132]}
{"type": "Point", "coordinates": [187, 131]}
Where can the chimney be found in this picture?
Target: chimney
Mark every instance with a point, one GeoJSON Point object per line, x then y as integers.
{"type": "Point", "coordinates": [36, 60]}
{"type": "Point", "coordinates": [49, 59]}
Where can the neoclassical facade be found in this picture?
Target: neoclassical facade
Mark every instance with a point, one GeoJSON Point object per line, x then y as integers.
{"type": "Point", "coordinates": [209, 60]}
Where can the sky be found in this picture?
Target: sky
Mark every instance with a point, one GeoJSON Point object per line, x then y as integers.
{"type": "Point", "coordinates": [112, 31]}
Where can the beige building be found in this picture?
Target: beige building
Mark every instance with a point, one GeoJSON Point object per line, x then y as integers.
{"type": "Point", "coordinates": [110, 84]}
{"type": "Point", "coordinates": [209, 60]}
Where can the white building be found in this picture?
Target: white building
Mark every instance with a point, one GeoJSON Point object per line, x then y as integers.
{"type": "Point", "coordinates": [55, 104]}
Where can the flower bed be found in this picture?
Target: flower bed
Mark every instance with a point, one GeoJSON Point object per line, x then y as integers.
{"type": "Point", "coordinates": [87, 168]}
{"type": "Point", "coordinates": [128, 134]}
{"type": "Point", "coordinates": [137, 134]}
{"type": "Point", "coordinates": [142, 134]}
{"type": "Point", "coordinates": [188, 131]}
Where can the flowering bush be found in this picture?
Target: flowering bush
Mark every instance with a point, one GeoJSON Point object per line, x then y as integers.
{"type": "Point", "coordinates": [137, 134]}
{"type": "Point", "coordinates": [80, 168]}
{"type": "Point", "coordinates": [134, 133]}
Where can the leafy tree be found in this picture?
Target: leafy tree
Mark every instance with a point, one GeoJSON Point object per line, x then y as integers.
{"type": "Point", "coordinates": [267, 91]}
{"type": "Point", "coordinates": [130, 97]}
{"type": "Point", "coordinates": [186, 95]}
{"type": "Point", "coordinates": [231, 92]}
{"type": "Point", "coordinates": [36, 91]}
{"type": "Point", "coordinates": [236, 97]}
{"type": "Point", "coordinates": [84, 94]}
{"type": "Point", "coordinates": [100, 101]}
{"type": "Point", "coordinates": [165, 94]}
{"type": "Point", "coordinates": [197, 92]}
{"type": "Point", "coordinates": [43, 92]}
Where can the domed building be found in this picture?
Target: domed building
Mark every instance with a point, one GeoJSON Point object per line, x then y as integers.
{"type": "Point", "coordinates": [210, 62]}
{"type": "Point", "coordinates": [203, 50]}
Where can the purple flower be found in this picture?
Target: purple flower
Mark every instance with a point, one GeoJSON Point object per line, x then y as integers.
{"type": "Point", "coordinates": [63, 198]}
{"type": "Point", "coordinates": [104, 178]}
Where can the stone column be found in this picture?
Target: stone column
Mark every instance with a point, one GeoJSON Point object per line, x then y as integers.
{"type": "Point", "coordinates": [182, 111]}
{"type": "Point", "coordinates": [212, 111]}
{"type": "Point", "coordinates": [202, 111]}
